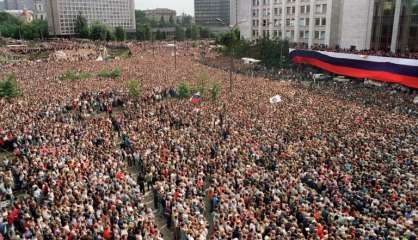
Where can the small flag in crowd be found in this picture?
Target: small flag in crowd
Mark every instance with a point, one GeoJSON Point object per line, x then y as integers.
{"type": "Point", "coordinates": [275, 99]}
{"type": "Point", "coordinates": [195, 99]}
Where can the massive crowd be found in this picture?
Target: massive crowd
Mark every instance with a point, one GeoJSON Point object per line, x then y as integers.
{"type": "Point", "coordinates": [325, 164]}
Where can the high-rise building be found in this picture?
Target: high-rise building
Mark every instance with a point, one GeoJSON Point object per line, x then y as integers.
{"type": "Point", "coordinates": [307, 22]}
{"type": "Point", "coordinates": [114, 13]}
{"type": "Point", "coordinates": [208, 11]}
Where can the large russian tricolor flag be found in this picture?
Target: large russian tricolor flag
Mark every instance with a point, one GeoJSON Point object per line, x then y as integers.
{"type": "Point", "coordinates": [393, 70]}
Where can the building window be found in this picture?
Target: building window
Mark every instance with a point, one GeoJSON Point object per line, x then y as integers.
{"type": "Point", "coordinates": [324, 21]}
{"type": "Point", "coordinates": [317, 21]}
{"type": "Point", "coordinates": [322, 35]}
{"type": "Point", "coordinates": [302, 9]}
{"type": "Point", "coordinates": [317, 35]}
{"type": "Point", "coordinates": [276, 11]}
{"type": "Point", "coordinates": [318, 8]}
{"type": "Point", "coordinates": [306, 21]}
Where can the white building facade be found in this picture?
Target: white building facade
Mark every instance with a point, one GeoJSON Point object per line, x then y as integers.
{"type": "Point", "coordinates": [307, 22]}
{"type": "Point", "coordinates": [114, 13]}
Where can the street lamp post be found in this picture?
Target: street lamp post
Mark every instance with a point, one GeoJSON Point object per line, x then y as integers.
{"type": "Point", "coordinates": [231, 28]}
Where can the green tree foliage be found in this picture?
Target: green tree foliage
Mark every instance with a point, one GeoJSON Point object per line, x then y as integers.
{"type": "Point", "coordinates": [180, 34]}
{"type": "Point", "coordinates": [195, 32]}
{"type": "Point", "coordinates": [120, 34]}
{"type": "Point", "coordinates": [171, 20]}
{"type": "Point", "coordinates": [203, 78]}
{"type": "Point", "coordinates": [204, 32]}
{"type": "Point", "coordinates": [100, 31]}
{"type": "Point", "coordinates": [11, 26]}
{"type": "Point", "coordinates": [183, 90]}
{"type": "Point", "coordinates": [82, 27]}
{"type": "Point", "coordinates": [143, 32]}
{"type": "Point", "coordinates": [73, 75]}
{"type": "Point", "coordinates": [162, 22]}
{"type": "Point", "coordinates": [271, 52]}
{"type": "Point", "coordinates": [134, 88]}
{"type": "Point", "coordinates": [9, 87]}
{"type": "Point", "coordinates": [115, 73]}
{"type": "Point", "coordinates": [214, 92]}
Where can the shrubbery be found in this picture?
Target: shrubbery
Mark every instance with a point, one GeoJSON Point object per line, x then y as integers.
{"type": "Point", "coordinates": [73, 75]}
{"type": "Point", "coordinates": [134, 88]}
{"type": "Point", "coordinates": [9, 88]}
{"type": "Point", "coordinates": [183, 90]}
{"type": "Point", "coordinates": [115, 73]}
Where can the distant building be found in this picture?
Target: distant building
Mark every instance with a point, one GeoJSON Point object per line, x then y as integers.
{"type": "Point", "coordinates": [169, 33]}
{"type": "Point", "coordinates": [208, 11]}
{"type": "Point", "coordinates": [157, 14]}
{"type": "Point", "coordinates": [114, 13]}
{"type": "Point", "coordinates": [18, 4]}
{"type": "Point", "coordinates": [40, 9]}
{"type": "Point", "coordinates": [24, 15]}
{"type": "Point", "coordinates": [304, 22]}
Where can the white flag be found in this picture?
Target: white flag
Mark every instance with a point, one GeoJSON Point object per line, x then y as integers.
{"type": "Point", "coordinates": [275, 99]}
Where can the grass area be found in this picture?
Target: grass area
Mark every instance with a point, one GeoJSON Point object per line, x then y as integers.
{"type": "Point", "coordinates": [72, 75]}
{"type": "Point", "coordinates": [115, 73]}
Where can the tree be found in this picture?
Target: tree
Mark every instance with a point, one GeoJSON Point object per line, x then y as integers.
{"type": "Point", "coordinates": [171, 20]}
{"type": "Point", "coordinates": [180, 35]}
{"type": "Point", "coordinates": [82, 27]}
{"type": "Point", "coordinates": [134, 88]}
{"type": "Point", "coordinates": [9, 88]}
{"type": "Point", "coordinates": [99, 31]}
{"type": "Point", "coordinates": [214, 92]}
{"type": "Point", "coordinates": [189, 32]}
{"type": "Point", "coordinates": [120, 34]}
{"type": "Point", "coordinates": [195, 32]}
{"type": "Point", "coordinates": [183, 90]}
{"type": "Point", "coordinates": [204, 32]}
{"type": "Point", "coordinates": [162, 21]}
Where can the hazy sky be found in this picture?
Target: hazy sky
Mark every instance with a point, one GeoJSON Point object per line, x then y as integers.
{"type": "Point", "coordinates": [178, 5]}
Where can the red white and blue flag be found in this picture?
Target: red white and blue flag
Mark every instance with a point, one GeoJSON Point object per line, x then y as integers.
{"type": "Point", "coordinates": [195, 99]}
{"type": "Point", "coordinates": [392, 70]}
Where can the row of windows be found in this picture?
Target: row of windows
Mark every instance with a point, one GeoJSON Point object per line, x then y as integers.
{"type": "Point", "coordinates": [257, 3]}
{"type": "Point", "coordinates": [303, 35]}
{"type": "Point", "coordinates": [319, 9]}
{"type": "Point", "coordinates": [290, 22]}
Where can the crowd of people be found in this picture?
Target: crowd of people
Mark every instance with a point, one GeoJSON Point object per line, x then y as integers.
{"type": "Point", "coordinates": [330, 164]}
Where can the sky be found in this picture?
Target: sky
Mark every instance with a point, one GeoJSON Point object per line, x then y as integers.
{"type": "Point", "coordinates": [179, 5]}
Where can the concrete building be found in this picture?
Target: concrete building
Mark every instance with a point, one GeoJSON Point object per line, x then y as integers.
{"type": "Point", "coordinates": [306, 22]}
{"type": "Point", "coordinates": [157, 14]}
{"type": "Point", "coordinates": [18, 4]}
{"type": "Point", "coordinates": [240, 16]}
{"type": "Point", "coordinates": [207, 11]}
{"type": "Point", "coordinates": [380, 25]}
{"type": "Point", "coordinates": [114, 13]}
{"type": "Point", "coordinates": [40, 8]}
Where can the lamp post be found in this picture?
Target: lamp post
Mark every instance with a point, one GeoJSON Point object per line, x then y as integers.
{"type": "Point", "coordinates": [231, 28]}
